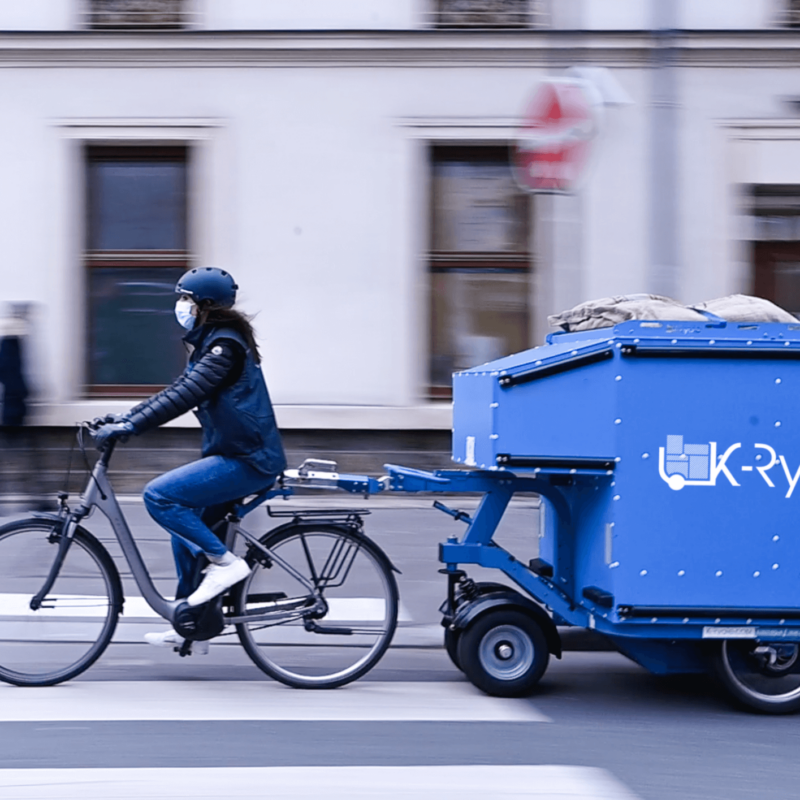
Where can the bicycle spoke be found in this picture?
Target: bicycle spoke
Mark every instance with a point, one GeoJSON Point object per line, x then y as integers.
{"type": "Point", "coordinates": [75, 620]}
{"type": "Point", "coordinates": [344, 632]}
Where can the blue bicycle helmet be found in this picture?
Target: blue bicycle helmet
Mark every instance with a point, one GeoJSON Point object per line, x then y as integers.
{"type": "Point", "coordinates": [208, 283]}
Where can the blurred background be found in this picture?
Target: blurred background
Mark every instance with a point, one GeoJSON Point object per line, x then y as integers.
{"type": "Point", "coordinates": [350, 163]}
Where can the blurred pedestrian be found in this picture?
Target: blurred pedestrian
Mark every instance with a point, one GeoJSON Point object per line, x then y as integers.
{"type": "Point", "coordinates": [20, 475]}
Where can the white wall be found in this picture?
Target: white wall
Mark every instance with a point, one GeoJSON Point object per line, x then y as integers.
{"type": "Point", "coordinates": [39, 15]}
{"type": "Point", "coordinates": [616, 14]}
{"type": "Point", "coordinates": [311, 14]}
{"type": "Point", "coordinates": [729, 14]}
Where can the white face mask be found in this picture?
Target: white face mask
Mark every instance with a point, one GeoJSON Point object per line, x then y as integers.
{"type": "Point", "coordinates": [183, 313]}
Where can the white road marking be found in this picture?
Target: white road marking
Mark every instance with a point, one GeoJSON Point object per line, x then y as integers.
{"type": "Point", "coordinates": [18, 605]}
{"type": "Point", "coordinates": [259, 700]}
{"type": "Point", "coordinates": [310, 783]}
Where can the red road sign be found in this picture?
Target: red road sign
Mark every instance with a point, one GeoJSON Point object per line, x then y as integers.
{"type": "Point", "coordinates": [555, 137]}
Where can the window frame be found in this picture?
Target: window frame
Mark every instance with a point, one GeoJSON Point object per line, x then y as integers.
{"type": "Point", "coordinates": [153, 15]}
{"type": "Point", "coordinates": [138, 151]}
{"type": "Point", "coordinates": [476, 262]}
{"type": "Point", "coordinates": [478, 14]}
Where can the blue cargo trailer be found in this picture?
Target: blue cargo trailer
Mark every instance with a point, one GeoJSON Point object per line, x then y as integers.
{"type": "Point", "coordinates": [667, 457]}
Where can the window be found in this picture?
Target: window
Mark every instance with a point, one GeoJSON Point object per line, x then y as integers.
{"type": "Point", "coordinates": [487, 13]}
{"type": "Point", "coordinates": [776, 245]}
{"type": "Point", "coordinates": [479, 261]}
{"type": "Point", "coordinates": [791, 13]}
{"type": "Point", "coordinates": [137, 14]}
{"type": "Point", "coordinates": [136, 250]}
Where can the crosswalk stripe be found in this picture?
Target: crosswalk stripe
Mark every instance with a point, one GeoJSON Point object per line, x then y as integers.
{"type": "Point", "coordinates": [260, 700]}
{"type": "Point", "coordinates": [540, 782]}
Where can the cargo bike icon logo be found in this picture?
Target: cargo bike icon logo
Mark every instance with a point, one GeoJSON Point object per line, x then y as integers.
{"type": "Point", "coordinates": [682, 464]}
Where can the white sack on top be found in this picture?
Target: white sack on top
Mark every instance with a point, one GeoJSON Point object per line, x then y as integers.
{"type": "Point", "coordinates": [608, 311]}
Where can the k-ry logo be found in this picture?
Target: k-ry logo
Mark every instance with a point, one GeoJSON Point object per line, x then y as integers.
{"type": "Point", "coordinates": [681, 464]}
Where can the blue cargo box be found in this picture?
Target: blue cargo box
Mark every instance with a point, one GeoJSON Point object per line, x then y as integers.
{"type": "Point", "coordinates": [677, 448]}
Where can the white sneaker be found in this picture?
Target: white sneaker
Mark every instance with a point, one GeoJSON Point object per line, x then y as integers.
{"type": "Point", "coordinates": [217, 579]}
{"type": "Point", "coordinates": [170, 638]}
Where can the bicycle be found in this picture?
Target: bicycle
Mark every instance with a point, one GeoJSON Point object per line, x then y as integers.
{"type": "Point", "coordinates": [318, 609]}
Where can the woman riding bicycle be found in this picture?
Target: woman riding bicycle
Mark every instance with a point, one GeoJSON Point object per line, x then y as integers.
{"type": "Point", "coordinates": [242, 450]}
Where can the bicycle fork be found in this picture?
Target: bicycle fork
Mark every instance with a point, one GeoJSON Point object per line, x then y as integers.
{"type": "Point", "coordinates": [64, 533]}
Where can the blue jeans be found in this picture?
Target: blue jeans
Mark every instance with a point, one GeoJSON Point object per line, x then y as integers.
{"type": "Point", "coordinates": [186, 500]}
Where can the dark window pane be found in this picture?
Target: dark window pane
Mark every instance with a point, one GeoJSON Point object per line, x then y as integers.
{"type": "Point", "coordinates": [135, 338]}
{"type": "Point", "coordinates": [137, 205]}
{"type": "Point", "coordinates": [477, 317]}
{"type": "Point", "coordinates": [477, 207]}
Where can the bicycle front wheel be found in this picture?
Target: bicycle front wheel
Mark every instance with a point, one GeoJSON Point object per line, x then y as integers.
{"type": "Point", "coordinates": [324, 608]}
{"type": "Point", "coordinates": [76, 620]}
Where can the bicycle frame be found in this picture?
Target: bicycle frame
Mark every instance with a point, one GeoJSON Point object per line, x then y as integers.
{"type": "Point", "coordinates": [99, 494]}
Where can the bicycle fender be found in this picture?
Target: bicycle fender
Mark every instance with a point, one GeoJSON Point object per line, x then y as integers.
{"type": "Point", "coordinates": [468, 612]}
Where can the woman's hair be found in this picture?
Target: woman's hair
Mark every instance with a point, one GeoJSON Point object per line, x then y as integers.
{"type": "Point", "coordinates": [209, 314]}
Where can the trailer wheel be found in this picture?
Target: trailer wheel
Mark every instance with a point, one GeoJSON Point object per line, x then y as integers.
{"type": "Point", "coordinates": [760, 675]}
{"type": "Point", "coordinates": [451, 637]}
{"type": "Point", "coordinates": [451, 645]}
{"type": "Point", "coordinates": [504, 653]}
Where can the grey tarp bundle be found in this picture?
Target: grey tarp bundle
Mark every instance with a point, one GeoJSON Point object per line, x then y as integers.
{"type": "Point", "coordinates": [608, 311]}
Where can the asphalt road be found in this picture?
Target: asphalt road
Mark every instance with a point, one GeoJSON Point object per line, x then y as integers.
{"type": "Point", "coordinates": [144, 722]}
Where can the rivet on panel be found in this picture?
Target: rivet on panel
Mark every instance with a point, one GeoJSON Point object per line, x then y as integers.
{"type": "Point", "coordinates": [775, 538]}
{"type": "Point", "coordinates": [645, 455]}
{"type": "Point", "coordinates": [613, 565]}
{"type": "Point", "coordinates": [618, 378]}
{"type": "Point", "coordinates": [616, 497]}
{"type": "Point", "coordinates": [643, 572]}
{"type": "Point", "coordinates": [681, 573]}
{"type": "Point", "coordinates": [774, 566]}
{"type": "Point", "coordinates": [756, 574]}
{"type": "Point", "coordinates": [654, 619]}
{"type": "Point", "coordinates": [712, 341]}
{"type": "Point", "coordinates": [617, 421]}
{"type": "Point", "coordinates": [777, 380]}
{"type": "Point", "coordinates": [685, 620]}
{"type": "Point", "coordinates": [718, 573]}
{"type": "Point", "coordinates": [778, 424]}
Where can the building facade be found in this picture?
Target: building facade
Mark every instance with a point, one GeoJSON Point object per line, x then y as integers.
{"type": "Point", "coordinates": [348, 162]}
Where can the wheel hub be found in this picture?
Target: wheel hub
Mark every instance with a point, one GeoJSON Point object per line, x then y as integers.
{"type": "Point", "coordinates": [504, 651]}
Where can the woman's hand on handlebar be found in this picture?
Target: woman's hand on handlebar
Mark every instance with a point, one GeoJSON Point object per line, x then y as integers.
{"type": "Point", "coordinates": [104, 432]}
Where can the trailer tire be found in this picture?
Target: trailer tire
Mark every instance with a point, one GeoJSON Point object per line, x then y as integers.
{"type": "Point", "coordinates": [755, 683]}
{"type": "Point", "coordinates": [504, 652]}
{"type": "Point", "coordinates": [451, 637]}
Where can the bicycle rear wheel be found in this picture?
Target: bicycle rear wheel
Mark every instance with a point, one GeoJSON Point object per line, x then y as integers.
{"type": "Point", "coordinates": [77, 618]}
{"type": "Point", "coordinates": [318, 649]}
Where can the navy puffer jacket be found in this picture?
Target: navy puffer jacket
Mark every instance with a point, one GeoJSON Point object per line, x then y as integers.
{"type": "Point", "coordinates": [225, 385]}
